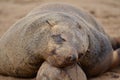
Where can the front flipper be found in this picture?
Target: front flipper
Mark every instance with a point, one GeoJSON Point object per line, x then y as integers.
{"type": "Point", "coordinates": [116, 58]}
{"type": "Point", "coordinates": [115, 41]}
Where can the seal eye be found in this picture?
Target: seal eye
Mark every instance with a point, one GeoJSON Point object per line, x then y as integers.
{"type": "Point", "coordinates": [58, 39]}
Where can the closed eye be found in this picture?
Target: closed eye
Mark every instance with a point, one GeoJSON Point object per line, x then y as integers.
{"type": "Point", "coordinates": [58, 39]}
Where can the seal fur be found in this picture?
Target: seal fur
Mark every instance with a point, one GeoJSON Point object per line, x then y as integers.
{"type": "Point", "coordinates": [59, 34]}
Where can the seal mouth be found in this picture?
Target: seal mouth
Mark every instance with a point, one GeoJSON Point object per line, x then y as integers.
{"type": "Point", "coordinates": [61, 63]}
{"type": "Point", "coordinates": [59, 60]}
{"type": "Point", "coordinates": [65, 64]}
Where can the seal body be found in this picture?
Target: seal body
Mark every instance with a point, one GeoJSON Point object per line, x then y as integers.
{"type": "Point", "coordinates": [59, 34]}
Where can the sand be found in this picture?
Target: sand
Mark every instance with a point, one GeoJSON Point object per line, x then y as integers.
{"type": "Point", "coordinates": [107, 13]}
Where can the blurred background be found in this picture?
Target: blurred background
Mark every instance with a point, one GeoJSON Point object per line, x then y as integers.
{"type": "Point", "coordinates": [107, 12]}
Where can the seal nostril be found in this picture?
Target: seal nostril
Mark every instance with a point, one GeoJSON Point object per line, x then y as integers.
{"type": "Point", "coordinates": [72, 58]}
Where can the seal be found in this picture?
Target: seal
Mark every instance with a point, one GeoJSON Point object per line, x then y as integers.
{"type": "Point", "coordinates": [59, 34]}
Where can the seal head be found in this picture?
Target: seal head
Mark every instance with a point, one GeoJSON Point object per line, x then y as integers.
{"type": "Point", "coordinates": [68, 40]}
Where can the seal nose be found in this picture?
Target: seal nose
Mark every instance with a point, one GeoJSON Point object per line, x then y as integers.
{"type": "Point", "coordinates": [72, 58]}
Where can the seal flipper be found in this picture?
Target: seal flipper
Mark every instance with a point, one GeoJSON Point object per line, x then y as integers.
{"type": "Point", "coordinates": [116, 58]}
{"type": "Point", "coordinates": [115, 41]}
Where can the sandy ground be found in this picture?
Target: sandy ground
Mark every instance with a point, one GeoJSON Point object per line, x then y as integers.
{"type": "Point", "coordinates": [107, 12]}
